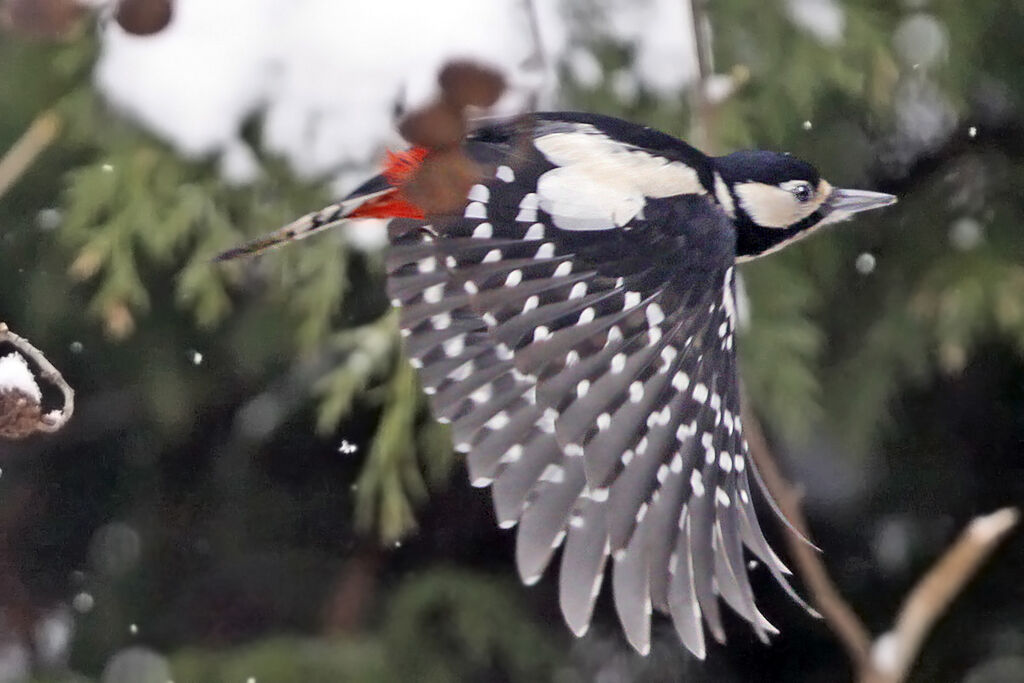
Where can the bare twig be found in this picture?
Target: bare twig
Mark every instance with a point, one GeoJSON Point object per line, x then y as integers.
{"type": "Point", "coordinates": [20, 157]}
{"type": "Point", "coordinates": [702, 115]}
{"type": "Point", "coordinates": [838, 614]}
{"type": "Point", "coordinates": [894, 652]}
{"type": "Point", "coordinates": [52, 421]}
{"type": "Point", "coordinates": [889, 658]}
{"type": "Point", "coordinates": [537, 60]}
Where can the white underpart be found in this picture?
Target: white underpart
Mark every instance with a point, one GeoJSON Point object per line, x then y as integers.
{"type": "Point", "coordinates": [601, 183]}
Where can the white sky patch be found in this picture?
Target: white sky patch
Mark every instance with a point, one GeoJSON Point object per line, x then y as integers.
{"type": "Point", "coordinates": [662, 32]}
{"type": "Point", "coordinates": [326, 74]}
{"type": "Point", "coordinates": [585, 67]}
{"type": "Point", "coordinates": [15, 374]}
{"type": "Point", "coordinates": [823, 19]}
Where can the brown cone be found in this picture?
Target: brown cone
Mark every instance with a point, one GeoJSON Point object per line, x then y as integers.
{"type": "Point", "coordinates": [144, 17]}
{"type": "Point", "coordinates": [442, 182]}
{"type": "Point", "coordinates": [20, 415]}
{"type": "Point", "coordinates": [47, 19]}
{"type": "Point", "coordinates": [437, 125]}
{"type": "Point", "coordinates": [465, 83]}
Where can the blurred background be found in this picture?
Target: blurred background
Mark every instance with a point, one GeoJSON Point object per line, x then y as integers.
{"type": "Point", "coordinates": [252, 489]}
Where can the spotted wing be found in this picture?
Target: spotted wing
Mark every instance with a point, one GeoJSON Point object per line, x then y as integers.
{"type": "Point", "coordinates": [585, 359]}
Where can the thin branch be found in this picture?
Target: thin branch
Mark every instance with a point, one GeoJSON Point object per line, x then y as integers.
{"type": "Point", "coordinates": [20, 157]}
{"type": "Point", "coordinates": [838, 614]}
{"type": "Point", "coordinates": [52, 421]}
{"type": "Point", "coordinates": [895, 652]}
{"type": "Point", "coordinates": [703, 136]}
{"type": "Point", "coordinates": [538, 59]}
{"type": "Point", "coordinates": [889, 658]}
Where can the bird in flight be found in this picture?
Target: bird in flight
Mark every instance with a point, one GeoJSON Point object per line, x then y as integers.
{"type": "Point", "coordinates": [572, 315]}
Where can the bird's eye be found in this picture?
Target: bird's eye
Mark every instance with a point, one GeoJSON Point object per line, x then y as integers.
{"type": "Point", "coordinates": [803, 192]}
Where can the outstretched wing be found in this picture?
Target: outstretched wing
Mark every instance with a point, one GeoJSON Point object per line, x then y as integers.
{"type": "Point", "coordinates": [576, 327]}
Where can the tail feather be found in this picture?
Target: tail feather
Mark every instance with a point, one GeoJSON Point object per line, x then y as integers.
{"type": "Point", "coordinates": [380, 197]}
{"type": "Point", "coordinates": [310, 224]}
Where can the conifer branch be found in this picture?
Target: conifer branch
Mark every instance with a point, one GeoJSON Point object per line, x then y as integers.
{"type": "Point", "coordinates": [19, 158]}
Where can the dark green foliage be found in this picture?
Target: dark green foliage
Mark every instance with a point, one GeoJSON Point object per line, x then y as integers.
{"type": "Point", "coordinates": [228, 464]}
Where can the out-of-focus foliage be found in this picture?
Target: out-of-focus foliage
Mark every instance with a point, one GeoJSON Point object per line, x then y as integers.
{"type": "Point", "coordinates": [439, 627]}
{"type": "Point", "coordinates": [244, 422]}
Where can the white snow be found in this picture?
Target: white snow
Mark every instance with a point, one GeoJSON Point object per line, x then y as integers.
{"type": "Point", "coordinates": [662, 33]}
{"type": "Point", "coordinates": [15, 374]}
{"type": "Point", "coordinates": [326, 75]}
{"type": "Point", "coordinates": [886, 653]}
{"type": "Point", "coordinates": [823, 19]}
{"type": "Point", "coordinates": [584, 67]}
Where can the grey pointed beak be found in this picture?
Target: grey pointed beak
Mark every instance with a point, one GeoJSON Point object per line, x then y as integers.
{"type": "Point", "coordinates": [842, 204]}
{"type": "Point", "coordinates": [855, 201]}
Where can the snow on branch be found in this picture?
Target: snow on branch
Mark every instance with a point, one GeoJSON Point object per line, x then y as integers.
{"type": "Point", "coordinates": [21, 398]}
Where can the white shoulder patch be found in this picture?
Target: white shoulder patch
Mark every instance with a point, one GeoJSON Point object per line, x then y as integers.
{"type": "Point", "coordinates": [603, 184]}
{"type": "Point", "coordinates": [724, 196]}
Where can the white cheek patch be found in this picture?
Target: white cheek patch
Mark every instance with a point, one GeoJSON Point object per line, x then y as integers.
{"type": "Point", "coordinates": [773, 207]}
{"type": "Point", "coordinates": [602, 184]}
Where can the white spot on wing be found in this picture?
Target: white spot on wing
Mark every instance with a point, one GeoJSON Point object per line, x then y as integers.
{"type": "Point", "coordinates": [505, 173]}
{"type": "Point", "coordinates": [526, 215]}
{"type": "Point", "coordinates": [476, 210]}
{"type": "Point", "coordinates": [498, 421]}
{"type": "Point", "coordinates": [618, 362]}
{"type": "Point", "coordinates": [479, 193]}
{"type": "Point", "coordinates": [454, 346]}
{"type": "Point", "coordinates": [535, 232]}
{"type": "Point", "coordinates": [553, 473]}
{"type": "Point", "coordinates": [433, 294]}
{"type": "Point", "coordinates": [655, 316]}
{"type": "Point", "coordinates": [697, 483]}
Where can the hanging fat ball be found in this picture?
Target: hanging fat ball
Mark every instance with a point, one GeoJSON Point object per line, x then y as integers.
{"type": "Point", "coordinates": [574, 319]}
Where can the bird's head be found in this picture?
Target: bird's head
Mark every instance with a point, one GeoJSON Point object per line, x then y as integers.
{"type": "Point", "coordinates": [776, 199]}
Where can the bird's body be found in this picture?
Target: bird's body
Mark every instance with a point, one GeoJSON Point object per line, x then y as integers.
{"type": "Point", "coordinates": [574, 321]}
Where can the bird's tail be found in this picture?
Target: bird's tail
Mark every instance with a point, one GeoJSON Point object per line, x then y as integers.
{"type": "Point", "coordinates": [380, 197]}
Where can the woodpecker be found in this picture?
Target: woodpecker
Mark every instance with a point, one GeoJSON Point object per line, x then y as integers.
{"type": "Point", "coordinates": [574, 321]}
